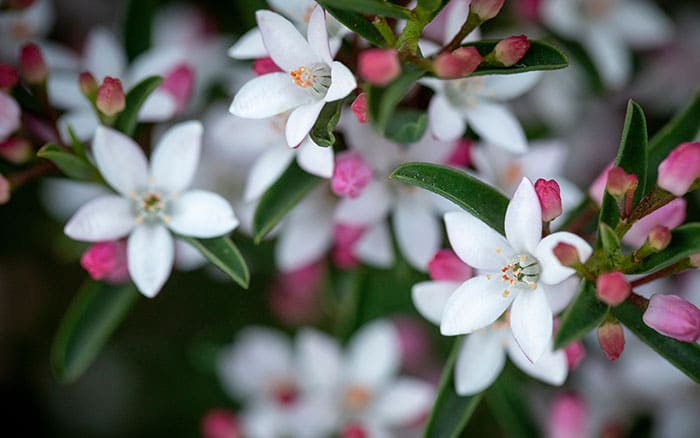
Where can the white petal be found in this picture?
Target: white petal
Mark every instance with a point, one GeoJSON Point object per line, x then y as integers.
{"type": "Point", "coordinates": [480, 361]}
{"type": "Point", "coordinates": [64, 91]}
{"type": "Point", "coordinates": [158, 107]}
{"type": "Point", "coordinates": [317, 35]}
{"type": "Point", "coordinates": [531, 322]}
{"type": "Point", "coordinates": [477, 303]}
{"type": "Point", "coordinates": [406, 400]}
{"type": "Point", "coordinates": [104, 55]}
{"type": "Point", "coordinates": [150, 255]}
{"type": "Point", "coordinates": [187, 257]}
{"type": "Point", "coordinates": [342, 82]}
{"type": "Point", "coordinates": [524, 219]}
{"type": "Point", "coordinates": [506, 87]}
{"type": "Point", "coordinates": [198, 213]}
{"type": "Point", "coordinates": [266, 169]}
{"type": "Point", "coordinates": [550, 368]}
{"type": "Point", "coordinates": [553, 272]}
{"type": "Point", "coordinates": [380, 342]}
{"type": "Point", "coordinates": [370, 207]}
{"type": "Point", "coordinates": [268, 95]}
{"type": "Point", "coordinates": [249, 46]}
{"type": "Point", "coordinates": [319, 360]}
{"type": "Point", "coordinates": [300, 122]}
{"type": "Point", "coordinates": [83, 123]}
{"type": "Point", "coordinates": [108, 217]}
{"type": "Point", "coordinates": [174, 160]}
{"type": "Point", "coordinates": [564, 16]}
{"type": "Point", "coordinates": [283, 42]}
{"type": "Point", "coordinates": [496, 124]}
{"type": "Point", "coordinates": [477, 244]}
{"type": "Point", "coordinates": [315, 159]}
{"type": "Point", "coordinates": [9, 115]}
{"type": "Point", "coordinates": [609, 55]}
{"type": "Point", "coordinates": [641, 24]}
{"type": "Point", "coordinates": [418, 232]}
{"type": "Point", "coordinates": [446, 123]}
{"type": "Point", "coordinates": [430, 298]}
{"type": "Point", "coordinates": [121, 162]}
{"type": "Point", "coordinates": [297, 11]}
{"type": "Point", "coordinates": [560, 295]}
{"type": "Point", "coordinates": [375, 247]}
{"type": "Point", "coordinates": [157, 61]}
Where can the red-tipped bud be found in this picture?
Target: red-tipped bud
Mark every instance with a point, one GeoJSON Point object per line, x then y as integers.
{"type": "Point", "coordinates": [568, 416]}
{"type": "Point", "coordinates": [511, 50]}
{"type": "Point", "coordinates": [575, 353]}
{"type": "Point", "coordinates": [674, 317]}
{"type": "Point", "coordinates": [446, 266]}
{"type": "Point", "coordinates": [460, 62]}
{"type": "Point", "coordinates": [8, 76]}
{"type": "Point", "coordinates": [659, 237]}
{"type": "Point", "coordinates": [20, 4]}
{"type": "Point", "coordinates": [9, 116]}
{"type": "Point", "coordinates": [88, 85]}
{"type": "Point", "coordinates": [110, 97]}
{"type": "Point", "coordinates": [379, 66]}
{"type": "Point", "coordinates": [32, 64]}
{"type": "Point", "coordinates": [4, 189]}
{"type": "Point", "coordinates": [263, 66]}
{"type": "Point", "coordinates": [179, 83]}
{"type": "Point", "coordinates": [550, 198]}
{"type": "Point", "coordinates": [485, 9]}
{"type": "Point", "coordinates": [107, 261]}
{"type": "Point", "coordinates": [221, 423]}
{"type": "Point", "coordinates": [354, 430]}
{"type": "Point", "coordinates": [612, 288]}
{"type": "Point", "coordinates": [16, 150]}
{"type": "Point", "coordinates": [678, 171]}
{"type": "Point", "coordinates": [345, 238]}
{"type": "Point", "coordinates": [620, 182]}
{"type": "Point", "coordinates": [350, 175]}
{"type": "Point", "coordinates": [611, 338]}
{"type": "Point", "coordinates": [359, 107]}
{"type": "Point", "coordinates": [461, 155]}
{"type": "Point", "coordinates": [567, 254]}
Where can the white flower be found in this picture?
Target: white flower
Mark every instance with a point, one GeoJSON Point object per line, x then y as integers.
{"type": "Point", "coordinates": [18, 27]}
{"type": "Point", "coordinates": [310, 78]}
{"type": "Point", "coordinates": [517, 270]}
{"type": "Point", "coordinates": [151, 201]}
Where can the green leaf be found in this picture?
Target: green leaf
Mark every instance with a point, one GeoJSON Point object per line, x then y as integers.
{"type": "Point", "coordinates": [137, 26]}
{"type": "Point", "coordinates": [369, 7]}
{"type": "Point", "coordinates": [76, 144]}
{"type": "Point", "coordinates": [507, 402]}
{"type": "Point", "coordinates": [609, 240]}
{"type": "Point", "coordinates": [280, 198]}
{"type": "Point", "coordinates": [356, 23]}
{"type": "Point", "coordinates": [583, 315]}
{"type": "Point", "coordinates": [69, 164]}
{"type": "Point", "coordinates": [322, 131]}
{"type": "Point", "coordinates": [135, 98]}
{"type": "Point", "coordinates": [685, 241]}
{"type": "Point", "coordinates": [451, 411]}
{"type": "Point", "coordinates": [407, 126]}
{"type": "Point", "coordinates": [91, 319]}
{"type": "Point", "coordinates": [222, 252]}
{"type": "Point", "coordinates": [430, 5]}
{"type": "Point", "coordinates": [474, 196]}
{"type": "Point", "coordinates": [683, 355]}
{"type": "Point", "coordinates": [382, 101]}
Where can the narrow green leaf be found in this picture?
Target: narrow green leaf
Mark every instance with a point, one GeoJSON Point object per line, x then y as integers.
{"type": "Point", "coordinates": [76, 144]}
{"type": "Point", "coordinates": [135, 98]}
{"type": "Point", "coordinates": [223, 253]}
{"type": "Point", "coordinates": [69, 164]}
{"type": "Point", "coordinates": [430, 5]}
{"type": "Point", "coordinates": [280, 198]}
{"type": "Point", "coordinates": [685, 241]}
{"type": "Point", "coordinates": [382, 101]}
{"type": "Point", "coordinates": [91, 319]}
{"type": "Point", "coordinates": [451, 411]}
{"type": "Point", "coordinates": [322, 131]}
{"type": "Point", "coordinates": [369, 7]}
{"type": "Point", "coordinates": [137, 26]}
{"type": "Point", "coordinates": [507, 402]}
{"type": "Point", "coordinates": [610, 241]}
{"type": "Point", "coordinates": [583, 315]}
{"type": "Point", "coordinates": [683, 355]}
{"type": "Point", "coordinates": [357, 23]}
{"type": "Point", "coordinates": [407, 126]}
{"type": "Point", "coordinates": [474, 196]}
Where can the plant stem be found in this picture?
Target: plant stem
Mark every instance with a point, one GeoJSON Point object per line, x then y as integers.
{"type": "Point", "coordinates": [472, 23]}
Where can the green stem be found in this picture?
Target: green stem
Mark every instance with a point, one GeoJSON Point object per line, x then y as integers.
{"type": "Point", "coordinates": [385, 30]}
{"type": "Point", "coordinates": [665, 272]}
{"type": "Point", "coordinates": [473, 21]}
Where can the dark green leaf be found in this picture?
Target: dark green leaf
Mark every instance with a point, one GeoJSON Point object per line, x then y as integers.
{"type": "Point", "coordinates": [137, 26]}
{"type": "Point", "coordinates": [93, 316]}
{"type": "Point", "coordinates": [322, 131]}
{"type": "Point", "coordinates": [280, 198]}
{"type": "Point", "coordinates": [683, 355]}
{"type": "Point", "coordinates": [507, 402]}
{"type": "Point", "coordinates": [69, 164]}
{"type": "Point", "coordinates": [583, 315]}
{"type": "Point", "coordinates": [369, 7]}
{"type": "Point", "coordinates": [76, 144]}
{"type": "Point", "coordinates": [685, 241]}
{"type": "Point", "coordinates": [382, 101]}
{"type": "Point", "coordinates": [476, 197]}
{"type": "Point", "coordinates": [610, 241]}
{"type": "Point", "coordinates": [222, 252]}
{"type": "Point", "coordinates": [135, 98]}
{"type": "Point", "coordinates": [407, 126]}
{"type": "Point", "coordinates": [451, 411]}
{"type": "Point", "coordinates": [430, 5]}
{"type": "Point", "coordinates": [358, 24]}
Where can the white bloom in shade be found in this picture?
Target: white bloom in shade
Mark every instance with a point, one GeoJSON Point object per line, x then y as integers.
{"type": "Point", "coordinates": [151, 201]}
{"type": "Point", "coordinates": [310, 77]}
{"type": "Point", "coordinates": [516, 272]}
{"type": "Point", "coordinates": [18, 27]}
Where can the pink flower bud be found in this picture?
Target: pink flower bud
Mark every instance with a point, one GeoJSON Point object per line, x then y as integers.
{"type": "Point", "coordinates": [670, 216]}
{"type": "Point", "coordinates": [16, 150]}
{"type": "Point", "coordinates": [359, 107]}
{"type": "Point", "coordinates": [612, 288]}
{"type": "Point", "coordinates": [345, 238]}
{"type": "Point", "coordinates": [611, 338]}
{"type": "Point", "coordinates": [528, 9]}
{"type": "Point", "coordinates": [485, 9]}
{"type": "Point", "coordinates": [460, 62]}
{"type": "Point", "coordinates": [597, 189]}
{"type": "Point", "coordinates": [221, 423]}
{"type": "Point", "coordinates": [10, 114]}
{"type": "Point", "coordinates": [8, 76]}
{"type": "Point", "coordinates": [678, 171]}
{"type": "Point", "coordinates": [88, 85]}
{"type": "Point", "coordinates": [294, 295]}
{"type": "Point", "coordinates": [575, 353]}
{"type": "Point", "coordinates": [674, 317]}
{"type": "Point", "coordinates": [620, 182]}
{"type": "Point", "coordinates": [461, 154]}
{"type": "Point", "coordinates": [659, 237]}
{"type": "Point", "coordinates": [107, 261]}
{"type": "Point", "coordinates": [511, 50]}
{"type": "Point", "coordinates": [550, 198]}
{"type": "Point", "coordinates": [350, 175]}
{"type": "Point", "coordinates": [414, 342]}
{"type": "Point", "coordinates": [566, 253]}
{"type": "Point", "coordinates": [379, 66]}
{"type": "Point", "coordinates": [110, 97]}
{"type": "Point", "coordinates": [263, 66]}
{"type": "Point", "coordinates": [32, 64]}
{"type": "Point", "coordinates": [4, 189]}
{"type": "Point", "coordinates": [446, 266]}
{"type": "Point", "coordinates": [179, 83]}
{"type": "Point", "coordinates": [354, 430]}
{"type": "Point", "coordinates": [568, 416]}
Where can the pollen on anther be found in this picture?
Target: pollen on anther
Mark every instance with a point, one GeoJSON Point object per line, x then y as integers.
{"type": "Point", "coordinates": [499, 250]}
{"type": "Point", "coordinates": [506, 292]}
{"type": "Point", "coordinates": [302, 77]}
{"type": "Point", "coordinates": [488, 276]}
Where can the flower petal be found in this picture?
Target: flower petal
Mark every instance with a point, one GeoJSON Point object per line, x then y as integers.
{"type": "Point", "coordinates": [418, 231]}
{"type": "Point", "coordinates": [430, 298]}
{"type": "Point", "coordinates": [121, 162]}
{"type": "Point", "coordinates": [506, 87]}
{"type": "Point", "coordinates": [380, 342]}
{"type": "Point", "coordinates": [268, 95]}
{"type": "Point", "coordinates": [342, 82]}
{"type": "Point", "coordinates": [319, 360]}
{"type": "Point", "coordinates": [300, 122]}
{"type": "Point", "coordinates": [317, 35]}
{"type": "Point", "coordinates": [560, 295]}
{"type": "Point", "coordinates": [550, 368]}
{"type": "Point", "coordinates": [64, 91]}
{"type": "Point", "coordinates": [531, 322]}
{"type": "Point", "coordinates": [104, 55]}
{"type": "Point", "coordinates": [609, 54]}
{"type": "Point", "coordinates": [108, 217]}
{"type": "Point", "coordinates": [477, 303]}
{"type": "Point", "coordinates": [315, 159]}
{"type": "Point", "coordinates": [480, 361]}
{"type": "Point", "coordinates": [266, 169]}
{"type": "Point", "coordinates": [404, 401]}
{"type": "Point", "coordinates": [150, 255]}
{"type": "Point", "coordinates": [524, 219]}
{"type": "Point", "coordinates": [641, 24]}
{"type": "Point", "coordinates": [83, 122]}
{"type": "Point", "coordinates": [375, 247]}
{"type": "Point", "coordinates": [159, 106]}
{"type": "Point", "coordinates": [477, 244]}
{"type": "Point", "coordinates": [174, 160]}
{"type": "Point", "coordinates": [203, 214]}
{"type": "Point", "coordinates": [249, 46]}
{"type": "Point", "coordinates": [553, 272]}
{"type": "Point", "coordinates": [370, 207]}
{"type": "Point", "coordinates": [446, 123]}
{"type": "Point", "coordinates": [496, 124]}
{"type": "Point", "coordinates": [283, 42]}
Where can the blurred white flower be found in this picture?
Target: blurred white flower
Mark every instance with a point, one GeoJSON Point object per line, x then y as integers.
{"type": "Point", "coordinates": [18, 27]}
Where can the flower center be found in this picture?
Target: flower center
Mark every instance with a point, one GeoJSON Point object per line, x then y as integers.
{"type": "Point", "coordinates": [315, 78]}
{"type": "Point", "coordinates": [285, 393]}
{"type": "Point", "coordinates": [356, 398]}
{"type": "Point", "coordinates": [522, 272]}
{"type": "Point", "coordinates": [151, 206]}
{"type": "Point", "coordinates": [463, 92]}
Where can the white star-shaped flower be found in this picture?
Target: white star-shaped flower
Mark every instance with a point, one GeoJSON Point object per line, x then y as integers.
{"type": "Point", "coordinates": [151, 201]}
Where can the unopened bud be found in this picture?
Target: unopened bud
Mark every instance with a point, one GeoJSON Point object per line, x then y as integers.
{"type": "Point", "coordinates": [379, 66]}
{"type": "Point", "coordinates": [88, 85]}
{"type": "Point", "coordinates": [16, 150]}
{"type": "Point", "coordinates": [567, 417]}
{"type": "Point", "coordinates": [620, 182]}
{"type": "Point", "coordinates": [446, 266]}
{"type": "Point", "coordinates": [345, 238]}
{"type": "Point", "coordinates": [8, 77]}
{"type": "Point", "coordinates": [110, 97]}
{"type": "Point", "coordinates": [4, 189]}
{"type": "Point", "coordinates": [575, 353]}
{"type": "Point", "coordinates": [354, 430]}
{"type": "Point", "coordinates": [612, 288]}
{"type": "Point", "coordinates": [550, 198]}
{"type": "Point", "coordinates": [611, 338]}
{"type": "Point", "coordinates": [32, 64]}
{"type": "Point", "coordinates": [359, 107]}
{"type": "Point", "coordinates": [659, 237]}
{"type": "Point", "coordinates": [670, 215]}
{"type": "Point", "coordinates": [179, 83]}
{"type": "Point", "coordinates": [263, 66]}
{"type": "Point", "coordinates": [678, 171]}
{"type": "Point", "coordinates": [221, 423]}
{"type": "Point", "coordinates": [351, 174]}
{"type": "Point", "coordinates": [9, 115]}
{"type": "Point", "coordinates": [106, 261]}
{"type": "Point", "coordinates": [567, 254]}
{"type": "Point", "coordinates": [511, 50]}
{"type": "Point", "coordinates": [485, 9]}
{"type": "Point", "coordinates": [461, 155]}
{"type": "Point", "coordinates": [460, 62]}
{"type": "Point", "coordinates": [674, 317]}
